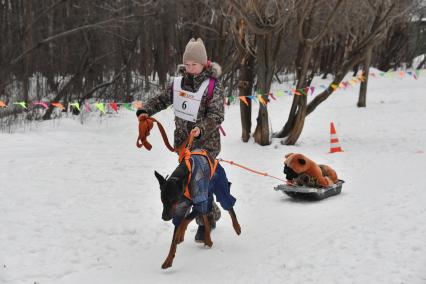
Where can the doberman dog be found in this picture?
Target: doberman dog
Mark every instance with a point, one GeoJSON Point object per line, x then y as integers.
{"type": "Point", "coordinates": [177, 205]}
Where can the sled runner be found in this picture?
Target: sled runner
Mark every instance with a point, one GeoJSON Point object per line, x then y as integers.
{"type": "Point", "coordinates": [310, 193]}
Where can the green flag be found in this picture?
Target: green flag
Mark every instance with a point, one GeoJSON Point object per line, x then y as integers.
{"type": "Point", "coordinates": [22, 104]}
{"type": "Point", "coordinates": [101, 107]}
{"type": "Point", "coordinates": [76, 105]}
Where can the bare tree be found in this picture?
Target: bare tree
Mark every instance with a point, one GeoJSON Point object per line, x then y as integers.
{"type": "Point", "coordinates": [307, 42]}
{"type": "Point", "coordinates": [266, 20]}
{"type": "Point", "coordinates": [378, 25]}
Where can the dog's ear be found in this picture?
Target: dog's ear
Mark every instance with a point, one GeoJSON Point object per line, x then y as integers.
{"type": "Point", "coordinates": [160, 178]}
{"type": "Point", "coordinates": [301, 161]}
{"type": "Point", "coordinates": [288, 155]}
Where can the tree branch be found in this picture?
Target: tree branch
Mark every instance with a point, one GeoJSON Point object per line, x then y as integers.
{"type": "Point", "coordinates": [328, 22]}
{"type": "Point", "coordinates": [66, 33]}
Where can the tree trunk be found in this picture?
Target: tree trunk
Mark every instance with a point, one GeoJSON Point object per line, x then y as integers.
{"type": "Point", "coordinates": [420, 66]}
{"type": "Point", "coordinates": [245, 86]}
{"type": "Point", "coordinates": [294, 124]}
{"type": "Point", "coordinates": [27, 44]}
{"type": "Point", "coordinates": [298, 114]}
{"type": "Point", "coordinates": [362, 98]}
{"type": "Point", "coordinates": [265, 72]}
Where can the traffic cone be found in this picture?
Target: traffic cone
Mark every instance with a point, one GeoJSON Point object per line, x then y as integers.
{"type": "Point", "coordinates": [334, 141]}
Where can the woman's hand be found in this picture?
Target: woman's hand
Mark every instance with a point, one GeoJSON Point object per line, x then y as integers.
{"type": "Point", "coordinates": [196, 131]}
{"type": "Point", "coordinates": [143, 116]}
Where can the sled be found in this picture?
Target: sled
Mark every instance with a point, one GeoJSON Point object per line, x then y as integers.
{"type": "Point", "coordinates": [310, 193]}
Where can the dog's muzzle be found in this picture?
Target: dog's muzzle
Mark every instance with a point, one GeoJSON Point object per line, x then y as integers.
{"type": "Point", "coordinates": [289, 173]}
{"type": "Point", "coordinates": [166, 217]}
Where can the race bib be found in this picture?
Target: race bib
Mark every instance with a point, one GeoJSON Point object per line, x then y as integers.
{"type": "Point", "coordinates": [186, 104]}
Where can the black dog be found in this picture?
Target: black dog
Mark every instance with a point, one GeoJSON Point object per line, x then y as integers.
{"type": "Point", "coordinates": [176, 204]}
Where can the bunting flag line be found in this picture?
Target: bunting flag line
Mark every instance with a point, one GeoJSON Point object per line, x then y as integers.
{"type": "Point", "coordinates": [100, 106]}
{"type": "Point", "coordinates": [342, 85]}
{"type": "Point", "coordinates": [257, 97]}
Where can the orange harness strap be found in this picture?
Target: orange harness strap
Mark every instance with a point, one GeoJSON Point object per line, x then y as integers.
{"type": "Point", "coordinates": [141, 141]}
{"type": "Point", "coordinates": [251, 170]}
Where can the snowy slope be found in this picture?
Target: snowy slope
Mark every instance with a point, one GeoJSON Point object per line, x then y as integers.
{"type": "Point", "coordinates": [80, 203]}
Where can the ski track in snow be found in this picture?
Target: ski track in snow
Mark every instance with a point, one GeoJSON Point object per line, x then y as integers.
{"type": "Point", "coordinates": [80, 203]}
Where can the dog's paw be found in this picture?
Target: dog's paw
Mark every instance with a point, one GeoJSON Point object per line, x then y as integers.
{"type": "Point", "coordinates": [167, 263]}
{"type": "Point", "coordinates": [237, 227]}
{"type": "Point", "coordinates": [208, 244]}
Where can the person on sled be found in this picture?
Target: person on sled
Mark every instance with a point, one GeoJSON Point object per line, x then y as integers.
{"type": "Point", "coordinates": [198, 102]}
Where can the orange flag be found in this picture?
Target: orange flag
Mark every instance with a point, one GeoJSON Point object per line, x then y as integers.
{"type": "Point", "coordinates": [262, 100]}
{"type": "Point", "coordinates": [59, 105]}
{"type": "Point", "coordinates": [294, 91]}
{"type": "Point", "coordinates": [244, 100]}
{"type": "Point", "coordinates": [2, 104]}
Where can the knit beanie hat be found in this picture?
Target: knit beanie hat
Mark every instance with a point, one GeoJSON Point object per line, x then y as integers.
{"type": "Point", "coordinates": [195, 51]}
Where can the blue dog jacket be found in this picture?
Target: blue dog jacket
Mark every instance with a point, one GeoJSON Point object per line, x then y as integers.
{"type": "Point", "coordinates": [202, 188]}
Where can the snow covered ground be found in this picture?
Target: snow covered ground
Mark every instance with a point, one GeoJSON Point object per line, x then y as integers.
{"type": "Point", "coordinates": [80, 203]}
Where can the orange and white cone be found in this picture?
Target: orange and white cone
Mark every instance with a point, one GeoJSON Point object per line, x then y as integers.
{"type": "Point", "coordinates": [334, 141]}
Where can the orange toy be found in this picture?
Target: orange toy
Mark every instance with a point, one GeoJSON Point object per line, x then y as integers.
{"type": "Point", "coordinates": [301, 165]}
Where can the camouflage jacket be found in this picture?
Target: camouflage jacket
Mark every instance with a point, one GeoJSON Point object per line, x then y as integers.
{"type": "Point", "coordinates": [210, 114]}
